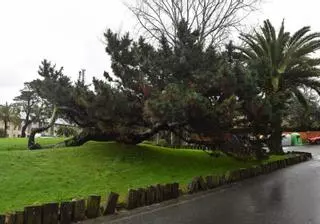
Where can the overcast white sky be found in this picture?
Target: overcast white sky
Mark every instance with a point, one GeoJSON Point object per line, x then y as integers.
{"type": "Point", "coordinates": [70, 32]}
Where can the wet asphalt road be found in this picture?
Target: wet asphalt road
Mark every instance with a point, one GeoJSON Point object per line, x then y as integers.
{"type": "Point", "coordinates": [290, 195]}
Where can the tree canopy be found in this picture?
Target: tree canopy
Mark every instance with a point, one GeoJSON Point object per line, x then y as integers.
{"type": "Point", "coordinates": [185, 89]}
{"type": "Point", "coordinates": [201, 93]}
{"type": "Point", "coordinates": [32, 108]}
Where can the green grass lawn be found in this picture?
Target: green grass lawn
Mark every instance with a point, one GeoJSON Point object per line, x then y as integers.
{"type": "Point", "coordinates": [10, 144]}
{"type": "Point", "coordinates": [35, 177]}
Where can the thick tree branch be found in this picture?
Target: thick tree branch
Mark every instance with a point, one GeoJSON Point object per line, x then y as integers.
{"type": "Point", "coordinates": [34, 131]}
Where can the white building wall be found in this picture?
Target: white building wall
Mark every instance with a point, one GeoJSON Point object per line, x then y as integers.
{"type": "Point", "coordinates": [15, 131]}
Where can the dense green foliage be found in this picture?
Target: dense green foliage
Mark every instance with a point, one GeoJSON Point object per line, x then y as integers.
{"type": "Point", "coordinates": [300, 117]}
{"type": "Point", "coordinates": [186, 89]}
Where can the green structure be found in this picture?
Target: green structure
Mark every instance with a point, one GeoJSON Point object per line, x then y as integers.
{"type": "Point", "coordinates": [296, 139]}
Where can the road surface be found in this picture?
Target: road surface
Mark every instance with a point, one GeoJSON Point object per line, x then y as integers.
{"type": "Point", "coordinates": [287, 196]}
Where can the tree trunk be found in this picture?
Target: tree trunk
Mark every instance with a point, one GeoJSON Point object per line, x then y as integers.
{"type": "Point", "coordinates": [6, 128]}
{"type": "Point", "coordinates": [128, 138]}
{"type": "Point", "coordinates": [31, 142]}
{"type": "Point", "coordinates": [24, 128]}
{"type": "Point", "coordinates": [275, 141]}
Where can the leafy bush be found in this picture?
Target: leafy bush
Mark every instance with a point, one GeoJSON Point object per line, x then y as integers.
{"type": "Point", "coordinates": [66, 131]}
{"type": "Point", "coordinates": [162, 142]}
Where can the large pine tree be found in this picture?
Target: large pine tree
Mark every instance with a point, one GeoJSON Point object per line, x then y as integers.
{"type": "Point", "coordinates": [184, 89]}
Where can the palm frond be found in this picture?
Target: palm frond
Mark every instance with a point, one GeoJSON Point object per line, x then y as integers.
{"type": "Point", "coordinates": [300, 97]}
{"type": "Point", "coordinates": [297, 35]}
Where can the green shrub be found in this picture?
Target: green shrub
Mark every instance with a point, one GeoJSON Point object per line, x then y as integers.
{"type": "Point", "coordinates": [66, 131]}
{"type": "Point", "coordinates": [162, 142]}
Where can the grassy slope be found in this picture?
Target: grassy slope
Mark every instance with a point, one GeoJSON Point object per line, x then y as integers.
{"type": "Point", "coordinates": [31, 177]}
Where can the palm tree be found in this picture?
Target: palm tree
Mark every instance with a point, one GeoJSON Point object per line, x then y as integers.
{"type": "Point", "coordinates": [9, 114]}
{"type": "Point", "coordinates": [284, 65]}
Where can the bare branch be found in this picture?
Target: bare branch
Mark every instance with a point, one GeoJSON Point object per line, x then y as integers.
{"type": "Point", "coordinates": [214, 19]}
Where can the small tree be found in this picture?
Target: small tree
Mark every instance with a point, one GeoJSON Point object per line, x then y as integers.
{"type": "Point", "coordinates": [9, 114]}
{"type": "Point", "coordinates": [32, 108]}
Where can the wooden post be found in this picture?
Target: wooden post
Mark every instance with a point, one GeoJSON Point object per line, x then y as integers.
{"type": "Point", "coordinates": [209, 180]}
{"type": "Point", "coordinates": [175, 190]}
{"type": "Point", "coordinates": [10, 219]}
{"type": "Point", "coordinates": [194, 186]}
{"type": "Point", "coordinates": [141, 193]}
{"type": "Point", "coordinates": [235, 176]}
{"type": "Point", "coordinates": [93, 206]}
{"type": "Point", "coordinates": [264, 168]}
{"type": "Point", "coordinates": [19, 217]}
{"type": "Point", "coordinates": [66, 212]}
{"type": "Point", "coordinates": [150, 195]}
{"type": "Point", "coordinates": [111, 204]}
{"type": "Point", "coordinates": [33, 215]}
{"type": "Point", "coordinates": [153, 194]}
{"type": "Point", "coordinates": [159, 193]}
{"type": "Point", "coordinates": [50, 213]}
{"type": "Point", "coordinates": [2, 219]}
{"type": "Point", "coordinates": [79, 213]}
{"type": "Point", "coordinates": [167, 192]}
{"type": "Point", "coordinates": [132, 199]}
{"type": "Point", "coordinates": [227, 177]}
{"type": "Point", "coordinates": [202, 184]}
